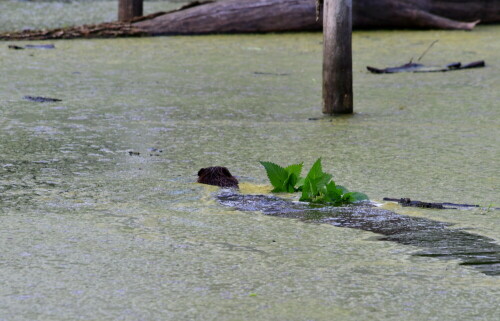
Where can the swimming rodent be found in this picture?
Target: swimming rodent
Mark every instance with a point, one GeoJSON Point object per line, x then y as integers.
{"type": "Point", "coordinates": [217, 176]}
{"type": "Point", "coordinates": [434, 238]}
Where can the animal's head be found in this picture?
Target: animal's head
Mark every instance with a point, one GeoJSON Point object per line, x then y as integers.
{"type": "Point", "coordinates": [218, 176]}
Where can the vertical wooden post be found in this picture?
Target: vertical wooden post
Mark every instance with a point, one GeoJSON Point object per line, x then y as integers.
{"type": "Point", "coordinates": [337, 57]}
{"type": "Point", "coordinates": [128, 9]}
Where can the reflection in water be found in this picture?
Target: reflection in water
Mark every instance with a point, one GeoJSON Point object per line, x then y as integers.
{"type": "Point", "coordinates": [434, 237]}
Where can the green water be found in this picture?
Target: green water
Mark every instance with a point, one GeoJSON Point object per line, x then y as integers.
{"type": "Point", "coordinates": [37, 14]}
{"type": "Point", "coordinates": [90, 232]}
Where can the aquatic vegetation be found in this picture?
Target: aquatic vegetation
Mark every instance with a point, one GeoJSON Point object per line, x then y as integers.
{"type": "Point", "coordinates": [316, 187]}
{"type": "Point", "coordinates": [284, 179]}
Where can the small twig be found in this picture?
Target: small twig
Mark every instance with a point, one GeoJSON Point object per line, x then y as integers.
{"type": "Point", "coordinates": [426, 50]}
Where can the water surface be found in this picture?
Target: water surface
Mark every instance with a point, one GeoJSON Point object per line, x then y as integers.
{"type": "Point", "coordinates": [38, 14]}
{"type": "Point", "coordinates": [92, 232]}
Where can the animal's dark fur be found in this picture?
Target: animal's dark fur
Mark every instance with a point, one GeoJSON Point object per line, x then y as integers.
{"type": "Point", "coordinates": [218, 176]}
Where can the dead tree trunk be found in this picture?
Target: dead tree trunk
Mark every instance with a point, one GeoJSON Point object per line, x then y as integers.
{"type": "Point", "coordinates": [128, 9]}
{"type": "Point", "coordinates": [337, 57]}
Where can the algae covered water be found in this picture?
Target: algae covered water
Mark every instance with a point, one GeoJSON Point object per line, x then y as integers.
{"type": "Point", "coordinates": [101, 218]}
{"type": "Point", "coordinates": [39, 14]}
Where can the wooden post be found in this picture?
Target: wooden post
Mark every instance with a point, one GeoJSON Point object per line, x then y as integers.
{"type": "Point", "coordinates": [337, 57]}
{"type": "Point", "coordinates": [128, 9]}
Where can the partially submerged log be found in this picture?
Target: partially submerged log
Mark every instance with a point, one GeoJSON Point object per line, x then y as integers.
{"type": "Point", "coordinates": [433, 238]}
{"type": "Point", "coordinates": [414, 67]}
{"type": "Point", "coordinates": [407, 202]}
{"type": "Point", "coordinates": [252, 16]}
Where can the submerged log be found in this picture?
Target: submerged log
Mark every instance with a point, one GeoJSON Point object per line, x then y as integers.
{"type": "Point", "coordinates": [407, 202]}
{"type": "Point", "coordinates": [433, 238]}
{"type": "Point", "coordinates": [251, 16]}
{"type": "Point", "coordinates": [414, 67]}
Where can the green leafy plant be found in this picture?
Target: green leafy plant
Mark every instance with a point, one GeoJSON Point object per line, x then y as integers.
{"type": "Point", "coordinates": [283, 179]}
{"type": "Point", "coordinates": [316, 187]}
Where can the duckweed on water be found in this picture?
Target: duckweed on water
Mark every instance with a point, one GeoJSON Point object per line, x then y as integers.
{"type": "Point", "coordinates": [90, 232]}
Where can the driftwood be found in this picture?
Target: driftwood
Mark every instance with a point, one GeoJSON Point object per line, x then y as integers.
{"type": "Point", "coordinates": [252, 16]}
{"type": "Point", "coordinates": [406, 202]}
{"type": "Point", "coordinates": [414, 67]}
{"type": "Point", "coordinates": [44, 46]}
{"type": "Point", "coordinates": [40, 99]}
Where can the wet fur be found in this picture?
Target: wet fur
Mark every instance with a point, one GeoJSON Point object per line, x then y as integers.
{"type": "Point", "coordinates": [217, 176]}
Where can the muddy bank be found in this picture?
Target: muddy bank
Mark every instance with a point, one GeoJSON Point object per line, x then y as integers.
{"type": "Point", "coordinates": [435, 239]}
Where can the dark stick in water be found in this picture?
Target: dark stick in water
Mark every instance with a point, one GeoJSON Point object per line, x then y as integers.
{"type": "Point", "coordinates": [409, 202]}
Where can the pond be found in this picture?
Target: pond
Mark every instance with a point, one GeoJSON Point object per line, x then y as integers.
{"type": "Point", "coordinates": [91, 231]}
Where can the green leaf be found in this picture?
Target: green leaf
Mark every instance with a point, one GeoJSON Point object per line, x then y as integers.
{"type": "Point", "coordinates": [317, 176]}
{"type": "Point", "coordinates": [300, 183]}
{"type": "Point", "coordinates": [283, 179]}
{"type": "Point", "coordinates": [353, 197]}
{"type": "Point", "coordinates": [277, 176]}
{"type": "Point", "coordinates": [308, 190]}
{"type": "Point", "coordinates": [322, 181]}
{"type": "Point", "coordinates": [316, 170]}
{"type": "Point", "coordinates": [334, 192]}
{"type": "Point", "coordinates": [289, 184]}
{"type": "Point", "coordinates": [343, 189]}
{"type": "Point", "coordinates": [295, 169]}
{"type": "Point", "coordinates": [315, 183]}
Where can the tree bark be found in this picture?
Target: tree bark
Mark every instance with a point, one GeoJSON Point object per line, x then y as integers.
{"type": "Point", "coordinates": [240, 16]}
{"type": "Point", "coordinates": [236, 16]}
{"type": "Point", "coordinates": [128, 9]}
{"type": "Point", "coordinates": [253, 16]}
{"type": "Point", "coordinates": [337, 57]}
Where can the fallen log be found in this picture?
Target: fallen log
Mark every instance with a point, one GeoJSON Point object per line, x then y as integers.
{"type": "Point", "coordinates": [255, 16]}
{"type": "Point", "coordinates": [414, 67]}
{"type": "Point", "coordinates": [433, 238]}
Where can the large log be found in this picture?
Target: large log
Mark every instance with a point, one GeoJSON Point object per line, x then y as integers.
{"type": "Point", "coordinates": [237, 16]}
{"type": "Point", "coordinates": [241, 16]}
{"type": "Point", "coordinates": [251, 16]}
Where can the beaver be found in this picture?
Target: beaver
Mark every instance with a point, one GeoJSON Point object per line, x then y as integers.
{"type": "Point", "coordinates": [218, 176]}
{"type": "Point", "coordinates": [435, 238]}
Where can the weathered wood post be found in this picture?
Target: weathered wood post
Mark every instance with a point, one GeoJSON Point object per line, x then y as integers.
{"type": "Point", "coordinates": [337, 57]}
{"type": "Point", "coordinates": [128, 9]}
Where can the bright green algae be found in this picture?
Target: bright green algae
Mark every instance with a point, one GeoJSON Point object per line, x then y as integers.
{"type": "Point", "coordinates": [91, 232]}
